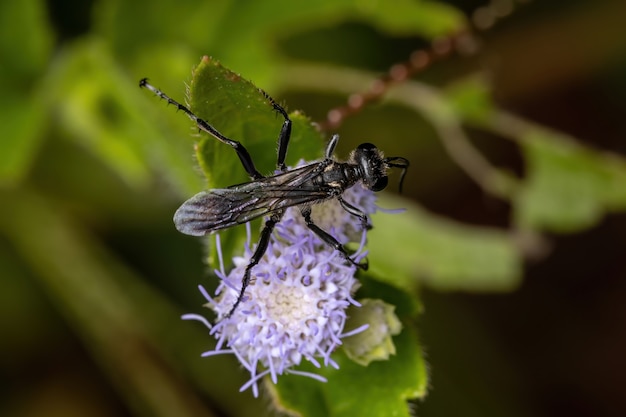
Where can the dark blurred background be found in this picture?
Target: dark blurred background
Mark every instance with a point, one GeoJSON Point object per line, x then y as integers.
{"type": "Point", "coordinates": [553, 347]}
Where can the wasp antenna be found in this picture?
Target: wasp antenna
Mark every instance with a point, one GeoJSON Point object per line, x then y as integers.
{"type": "Point", "coordinates": [398, 162]}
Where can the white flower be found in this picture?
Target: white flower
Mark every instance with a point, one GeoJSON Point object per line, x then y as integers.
{"type": "Point", "coordinates": [295, 306]}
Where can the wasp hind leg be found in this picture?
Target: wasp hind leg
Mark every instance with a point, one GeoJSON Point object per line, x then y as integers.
{"type": "Point", "coordinates": [260, 250]}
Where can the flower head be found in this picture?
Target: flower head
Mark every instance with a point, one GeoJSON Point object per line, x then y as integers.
{"type": "Point", "coordinates": [295, 306]}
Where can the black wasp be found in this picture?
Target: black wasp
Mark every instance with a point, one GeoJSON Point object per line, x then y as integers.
{"type": "Point", "coordinates": [213, 210]}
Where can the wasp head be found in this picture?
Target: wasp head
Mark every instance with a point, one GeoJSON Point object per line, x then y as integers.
{"type": "Point", "coordinates": [373, 166]}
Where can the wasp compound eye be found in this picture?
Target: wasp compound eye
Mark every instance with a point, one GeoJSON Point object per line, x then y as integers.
{"type": "Point", "coordinates": [380, 184]}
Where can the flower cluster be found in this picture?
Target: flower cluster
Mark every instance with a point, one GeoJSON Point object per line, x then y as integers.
{"type": "Point", "coordinates": [295, 306]}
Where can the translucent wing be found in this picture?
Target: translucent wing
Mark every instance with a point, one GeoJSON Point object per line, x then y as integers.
{"type": "Point", "coordinates": [218, 209]}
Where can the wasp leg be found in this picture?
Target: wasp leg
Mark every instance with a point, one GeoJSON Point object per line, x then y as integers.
{"type": "Point", "coordinates": [328, 239]}
{"type": "Point", "coordinates": [355, 212]}
{"type": "Point", "coordinates": [260, 250]}
{"type": "Point", "coordinates": [330, 147]}
{"type": "Point", "coordinates": [242, 152]}
{"type": "Point", "coordinates": [285, 132]}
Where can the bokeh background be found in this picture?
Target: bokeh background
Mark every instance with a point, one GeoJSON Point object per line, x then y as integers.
{"type": "Point", "coordinates": [93, 276]}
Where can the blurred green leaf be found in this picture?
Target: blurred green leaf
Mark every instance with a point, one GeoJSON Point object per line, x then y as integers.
{"type": "Point", "coordinates": [199, 26]}
{"type": "Point", "coordinates": [25, 46]}
{"type": "Point", "coordinates": [26, 40]}
{"type": "Point", "coordinates": [471, 99]}
{"type": "Point", "coordinates": [24, 121]}
{"type": "Point", "coordinates": [94, 111]}
{"type": "Point", "coordinates": [226, 28]}
{"type": "Point", "coordinates": [408, 17]}
{"type": "Point", "coordinates": [105, 301]}
{"type": "Point", "coordinates": [247, 27]}
{"type": "Point", "coordinates": [569, 187]}
{"type": "Point", "coordinates": [105, 112]}
{"type": "Point", "coordinates": [380, 389]}
{"type": "Point", "coordinates": [415, 247]}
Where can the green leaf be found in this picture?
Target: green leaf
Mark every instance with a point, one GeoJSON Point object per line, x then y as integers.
{"type": "Point", "coordinates": [238, 110]}
{"type": "Point", "coordinates": [25, 46]}
{"type": "Point", "coordinates": [416, 247]}
{"type": "Point", "coordinates": [380, 389]}
{"type": "Point", "coordinates": [569, 187]}
{"type": "Point", "coordinates": [405, 303]}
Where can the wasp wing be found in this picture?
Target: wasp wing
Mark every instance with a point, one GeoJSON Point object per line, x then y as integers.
{"type": "Point", "coordinates": [218, 209]}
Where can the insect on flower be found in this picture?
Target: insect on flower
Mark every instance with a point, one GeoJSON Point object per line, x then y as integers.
{"type": "Point", "coordinates": [217, 209]}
